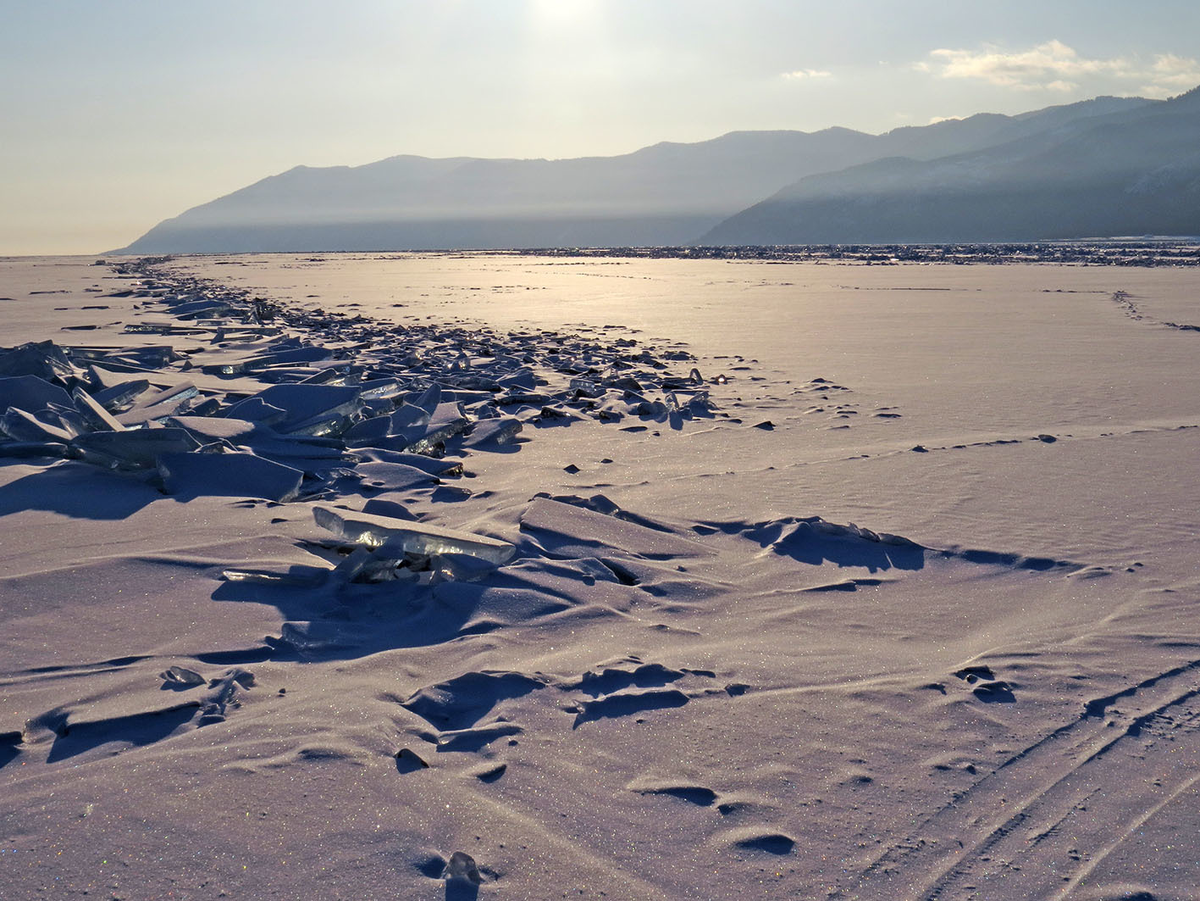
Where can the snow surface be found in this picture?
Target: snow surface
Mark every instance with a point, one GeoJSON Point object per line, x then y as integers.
{"type": "Point", "coordinates": [905, 610]}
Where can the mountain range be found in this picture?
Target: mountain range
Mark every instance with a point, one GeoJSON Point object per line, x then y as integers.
{"type": "Point", "coordinates": [1102, 167]}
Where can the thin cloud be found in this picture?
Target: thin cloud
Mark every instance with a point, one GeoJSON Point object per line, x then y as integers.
{"type": "Point", "coordinates": [1058, 68]}
{"type": "Point", "coordinates": [1172, 75]}
{"type": "Point", "coordinates": [807, 74]}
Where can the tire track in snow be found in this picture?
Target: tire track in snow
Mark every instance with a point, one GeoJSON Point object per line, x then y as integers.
{"type": "Point", "coordinates": [1048, 816]}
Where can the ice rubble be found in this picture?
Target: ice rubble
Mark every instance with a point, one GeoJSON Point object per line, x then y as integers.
{"type": "Point", "coordinates": [252, 400]}
{"type": "Point", "coordinates": [310, 391]}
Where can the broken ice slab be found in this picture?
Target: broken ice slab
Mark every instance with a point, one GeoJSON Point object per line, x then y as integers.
{"type": "Point", "coordinates": [326, 425]}
{"type": "Point", "coordinates": [494, 432]}
{"type": "Point", "coordinates": [320, 635]}
{"type": "Point", "coordinates": [174, 394]}
{"type": "Point", "coordinates": [514, 398]}
{"type": "Point", "coordinates": [693, 380]}
{"type": "Point", "coordinates": [22, 426]}
{"type": "Point", "coordinates": [197, 308]}
{"type": "Point", "coordinates": [354, 565]}
{"type": "Point", "coordinates": [407, 416]}
{"type": "Point", "coordinates": [304, 403]}
{"type": "Point", "coordinates": [294, 355]}
{"type": "Point", "coordinates": [380, 389]}
{"type": "Point", "coordinates": [93, 413]}
{"type": "Point", "coordinates": [228, 475]}
{"type": "Point", "coordinates": [459, 567]}
{"type": "Point", "coordinates": [255, 409]}
{"type": "Point", "coordinates": [429, 399]}
{"type": "Point", "coordinates": [207, 407]}
{"type": "Point", "coordinates": [521, 380]}
{"type": "Point", "coordinates": [585, 387]}
{"type": "Point", "coordinates": [44, 359]}
{"type": "Point", "coordinates": [136, 449]}
{"type": "Point", "coordinates": [410, 537]}
{"type": "Point", "coordinates": [163, 328]}
{"type": "Point", "coordinates": [31, 449]}
{"type": "Point", "coordinates": [108, 378]}
{"type": "Point", "coordinates": [118, 397]}
{"type": "Point", "coordinates": [208, 429]}
{"type": "Point", "coordinates": [65, 417]}
{"type": "Point", "coordinates": [159, 404]}
{"type": "Point", "coordinates": [29, 393]}
{"type": "Point", "coordinates": [368, 430]}
{"type": "Point", "coordinates": [278, 354]}
{"type": "Point", "coordinates": [149, 357]}
{"type": "Point", "coordinates": [446, 422]}
{"type": "Point", "coordinates": [297, 575]}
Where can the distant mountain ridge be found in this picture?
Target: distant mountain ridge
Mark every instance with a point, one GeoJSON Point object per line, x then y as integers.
{"type": "Point", "coordinates": [771, 187]}
{"type": "Point", "coordinates": [1130, 172]}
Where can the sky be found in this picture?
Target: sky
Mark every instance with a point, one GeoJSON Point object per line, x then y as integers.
{"type": "Point", "coordinates": [117, 114]}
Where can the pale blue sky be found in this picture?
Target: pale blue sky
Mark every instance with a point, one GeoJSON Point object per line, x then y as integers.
{"type": "Point", "coordinates": [116, 114]}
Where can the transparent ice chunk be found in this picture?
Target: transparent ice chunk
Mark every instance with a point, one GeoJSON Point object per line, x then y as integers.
{"type": "Point", "coordinates": [494, 432]}
{"type": "Point", "coordinates": [462, 867]}
{"type": "Point", "coordinates": [65, 417]}
{"type": "Point", "coordinates": [459, 567]}
{"type": "Point", "coordinates": [299, 576]}
{"type": "Point", "coordinates": [380, 389]}
{"type": "Point", "coordinates": [401, 536]}
{"type": "Point", "coordinates": [179, 675]}
{"type": "Point", "coordinates": [407, 416]}
{"type": "Point", "coordinates": [586, 387]}
{"type": "Point", "coordinates": [93, 413]}
{"type": "Point", "coordinates": [429, 399]}
{"type": "Point", "coordinates": [116, 398]}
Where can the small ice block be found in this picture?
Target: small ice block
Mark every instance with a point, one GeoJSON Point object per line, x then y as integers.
{"type": "Point", "coordinates": [462, 868]}
{"type": "Point", "coordinates": [410, 537]}
{"type": "Point", "coordinates": [182, 676]}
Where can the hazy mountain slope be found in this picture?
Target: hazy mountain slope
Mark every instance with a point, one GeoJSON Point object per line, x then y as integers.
{"type": "Point", "coordinates": [665, 194]}
{"type": "Point", "coordinates": [1130, 172]}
